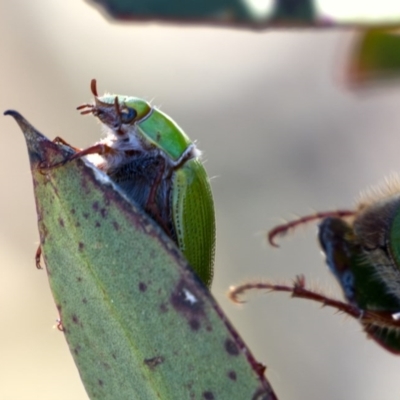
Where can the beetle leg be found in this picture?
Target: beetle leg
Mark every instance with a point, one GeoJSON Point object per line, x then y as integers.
{"type": "Point", "coordinates": [297, 289]}
{"type": "Point", "coordinates": [60, 325]}
{"type": "Point", "coordinates": [100, 148]}
{"type": "Point", "coordinates": [283, 229]}
{"type": "Point", "coordinates": [369, 318]}
{"type": "Point", "coordinates": [151, 203]}
{"type": "Point", "coordinates": [60, 140]}
{"type": "Point", "coordinates": [37, 257]}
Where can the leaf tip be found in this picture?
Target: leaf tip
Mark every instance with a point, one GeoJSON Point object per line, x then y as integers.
{"type": "Point", "coordinates": [12, 113]}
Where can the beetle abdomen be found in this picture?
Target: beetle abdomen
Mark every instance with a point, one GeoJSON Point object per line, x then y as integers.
{"type": "Point", "coordinates": [136, 179]}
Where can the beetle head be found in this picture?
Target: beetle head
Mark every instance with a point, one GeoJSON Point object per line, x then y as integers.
{"type": "Point", "coordinates": [116, 111]}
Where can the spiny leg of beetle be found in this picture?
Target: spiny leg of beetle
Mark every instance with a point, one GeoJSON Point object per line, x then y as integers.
{"type": "Point", "coordinates": [60, 140]}
{"type": "Point", "coordinates": [43, 166]}
{"type": "Point", "coordinates": [100, 148]}
{"type": "Point", "coordinates": [297, 289]}
{"type": "Point", "coordinates": [38, 255]}
{"type": "Point", "coordinates": [283, 229]}
{"type": "Point", "coordinates": [368, 318]}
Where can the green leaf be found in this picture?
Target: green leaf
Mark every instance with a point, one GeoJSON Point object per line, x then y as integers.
{"type": "Point", "coordinates": [212, 11]}
{"type": "Point", "coordinates": [138, 322]}
{"type": "Point", "coordinates": [255, 14]}
{"type": "Point", "coordinates": [300, 11]}
{"type": "Point", "coordinates": [218, 10]}
{"type": "Point", "coordinates": [375, 57]}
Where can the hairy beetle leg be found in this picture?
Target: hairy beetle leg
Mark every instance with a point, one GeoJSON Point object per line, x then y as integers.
{"type": "Point", "coordinates": [60, 140]}
{"type": "Point", "coordinates": [283, 229]}
{"type": "Point", "coordinates": [99, 148]}
{"type": "Point", "coordinates": [369, 318]}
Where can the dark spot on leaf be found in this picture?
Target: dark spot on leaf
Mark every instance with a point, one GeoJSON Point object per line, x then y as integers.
{"type": "Point", "coordinates": [231, 348]}
{"type": "Point", "coordinates": [114, 356]}
{"type": "Point", "coordinates": [61, 222]}
{"type": "Point", "coordinates": [59, 307]}
{"type": "Point", "coordinates": [100, 382]}
{"type": "Point", "coordinates": [142, 287]}
{"type": "Point", "coordinates": [86, 215]}
{"type": "Point", "coordinates": [97, 224]}
{"type": "Point", "coordinates": [95, 206]}
{"type": "Point", "coordinates": [186, 300]}
{"type": "Point", "coordinates": [73, 211]}
{"type": "Point", "coordinates": [75, 319]}
{"type": "Point", "coordinates": [194, 324]}
{"type": "Point", "coordinates": [154, 361]}
{"type": "Point", "coordinates": [106, 365]}
{"type": "Point", "coordinates": [77, 349]}
{"type": "Point", "coordinates": [232, 375]}
{"type": "Point", "coordinates": [79, 279]}
{"type": "Point", "coordinates": [163, 308]}
{"type": "Point", "coordinates": [81, 246]}
{"type": "Point", "coordinates": [84, 184]}
{"type": "Point", "coordinates": [44, 231]}
{"type": "Point", "coordinates": [208, 396]}
{"type": "Point", "coordinates": [103, 212]}
{"type": "Point", "coordinates": [84, 300]}
{"type": "Point", "coordinates": [116, 225]}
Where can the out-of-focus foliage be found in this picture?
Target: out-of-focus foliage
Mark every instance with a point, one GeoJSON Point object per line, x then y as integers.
{"type": "Point", "coordinates": [375, 57]}
{"type": "Point", "coordinates": [255, 14]}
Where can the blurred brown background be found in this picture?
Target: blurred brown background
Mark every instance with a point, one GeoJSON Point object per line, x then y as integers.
{"type": "Point", "coordinates": [280, 133]}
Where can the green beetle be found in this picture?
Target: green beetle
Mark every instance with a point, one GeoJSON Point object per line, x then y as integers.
{"type": "Point", "coordinates": [362, 251]}
{"type": "Point", "coordinates": [158, 167]}
{"type": "Point", "coordinates": [361, 247]}
{"type": "Point", "coordinates": [352, 255]}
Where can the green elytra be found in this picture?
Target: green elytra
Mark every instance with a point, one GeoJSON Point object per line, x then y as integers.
{"type": "Point", "coordinates": [157, 166]}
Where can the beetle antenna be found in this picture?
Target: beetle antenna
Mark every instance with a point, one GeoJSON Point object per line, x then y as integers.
{"type": "Point", "coordinates": [282, 230]}
{"type": "Point", "coordinates": [93, 87]}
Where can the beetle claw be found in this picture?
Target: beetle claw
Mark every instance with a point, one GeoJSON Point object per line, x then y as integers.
{"type": "Point", "coordinates": [37, 257]}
